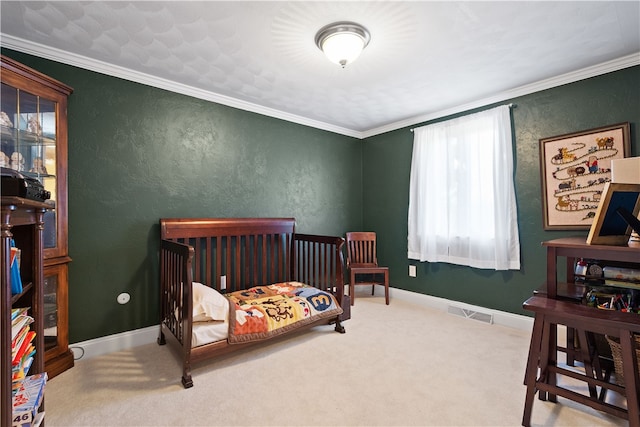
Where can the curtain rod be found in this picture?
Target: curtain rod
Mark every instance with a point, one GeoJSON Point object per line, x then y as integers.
{"type": "Point", "coordinates": [512, 105]}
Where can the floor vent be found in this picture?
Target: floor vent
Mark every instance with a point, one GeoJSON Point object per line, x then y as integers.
{"type": "Point", "coordinates": [471, 314]}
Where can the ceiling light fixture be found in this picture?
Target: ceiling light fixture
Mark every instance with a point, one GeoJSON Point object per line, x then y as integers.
{"type": "Point", "coordinates": [342, 42]}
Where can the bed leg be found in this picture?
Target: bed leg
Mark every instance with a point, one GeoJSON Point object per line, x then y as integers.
{"type": "Point", "coordinates": [187, 382]}
{"type": "Point", "coordinates": [161, 339]}
{"type": "Point", "coordinates": [339, 327]}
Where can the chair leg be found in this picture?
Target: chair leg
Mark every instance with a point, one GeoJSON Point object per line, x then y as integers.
{"type": "Point", "coordinates": [352, 287]}
{"type": "Point", "coordinates": [386, 286]}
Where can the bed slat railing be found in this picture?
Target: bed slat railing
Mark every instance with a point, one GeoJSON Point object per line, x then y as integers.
{"type": "Point", "coordinates": [319, 263]}
{"type": "Point", "coordinates": [236, 251]}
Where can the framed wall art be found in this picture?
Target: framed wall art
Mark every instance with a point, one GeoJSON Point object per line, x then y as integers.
{"type": "Point", "coordinates": [574, 170]}
{"type": "Point", "coordinates": [616, 216]}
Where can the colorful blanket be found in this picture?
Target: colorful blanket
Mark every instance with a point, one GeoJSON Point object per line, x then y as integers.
{"type": "Point", "coordinates": [265, 311]}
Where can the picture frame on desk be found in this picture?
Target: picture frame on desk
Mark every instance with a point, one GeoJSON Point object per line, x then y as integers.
{"type": "Point", "coordinates": [619, 206]}
{"type": "Point", "coordinates": [574, 169]}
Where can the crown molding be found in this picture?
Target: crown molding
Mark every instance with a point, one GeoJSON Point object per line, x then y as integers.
{"type": "Point", "coordinates": [563, 79]}
{"type": "Point", "coordinates": [83, 62]}
{"type": "Point", "coordinates": [79, 61]}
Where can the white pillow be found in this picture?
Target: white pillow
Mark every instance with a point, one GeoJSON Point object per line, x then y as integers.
{"type": "Point", "coordinates": [209, 304]}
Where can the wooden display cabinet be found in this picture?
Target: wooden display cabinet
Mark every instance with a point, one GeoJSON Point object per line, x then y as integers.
{"type": "Point", "coordinates": [34, 143]}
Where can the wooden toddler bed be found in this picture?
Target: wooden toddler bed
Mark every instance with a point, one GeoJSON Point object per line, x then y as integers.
{"type": "Point", "coordinates": [226, 283]}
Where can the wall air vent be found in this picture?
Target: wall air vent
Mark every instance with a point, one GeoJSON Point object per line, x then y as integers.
{"type": "Point", "coordinates": [471, 314]}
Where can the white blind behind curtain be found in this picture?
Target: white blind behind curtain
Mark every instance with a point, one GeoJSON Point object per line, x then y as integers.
{"type": "Point", "coordinates": [462, 205]}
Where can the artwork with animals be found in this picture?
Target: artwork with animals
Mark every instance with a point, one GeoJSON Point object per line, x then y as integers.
{"type": "Point", "coordinates": [574, 170]}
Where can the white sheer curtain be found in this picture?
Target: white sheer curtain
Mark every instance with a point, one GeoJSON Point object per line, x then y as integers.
{"type": "Point", "coordinates": [462, 204]}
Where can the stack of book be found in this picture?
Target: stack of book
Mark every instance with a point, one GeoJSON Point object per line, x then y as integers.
{"type": "Point", "coordinates": [22, 345]}
{"type": "Point", "coordinates": [27, 400]}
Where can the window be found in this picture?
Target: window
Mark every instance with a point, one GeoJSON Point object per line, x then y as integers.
{"type": "Point", "coordinates": [462, 206]}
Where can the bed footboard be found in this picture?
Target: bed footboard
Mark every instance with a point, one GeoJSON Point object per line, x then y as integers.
{"type": "Point", "coordinates": [320, 263]}
{"type": "Point", "coordinates": [176, 302]}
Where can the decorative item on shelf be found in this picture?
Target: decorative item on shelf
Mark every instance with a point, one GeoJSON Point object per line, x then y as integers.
{"type": "Point", "coordinates": [38, 166]}
{"type": "Point", "coordinates": [33, 125]}
{"type": "Point", "coordinates": [5, 120]}
{"type": "Point", "coordinates": [616, 215]}
{"type": "Point", "coordinates": [17, 161]}
{"type": "Point", "coordinates": [588, 270]}
{"type": "Point", "coordinates": [627, 171]}
{"type": "Point", "coordinates": [622, 277]}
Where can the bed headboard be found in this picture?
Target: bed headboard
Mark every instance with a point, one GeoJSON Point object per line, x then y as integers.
{"type": "Point", "coordinates": [233, 253]}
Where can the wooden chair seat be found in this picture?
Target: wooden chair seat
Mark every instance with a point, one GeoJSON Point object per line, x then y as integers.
{"type": "Point", "coordinates": [362, 264]}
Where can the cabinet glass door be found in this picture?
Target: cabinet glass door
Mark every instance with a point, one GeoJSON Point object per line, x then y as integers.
{"type": "Point", "coordinates": [55, 310]}
{"type": "Point", "coordinates": [29, 147]}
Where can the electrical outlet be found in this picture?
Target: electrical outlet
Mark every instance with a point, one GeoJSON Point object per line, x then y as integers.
{"type": "Point", "coordinates": [412, 271]}
{"type": "Point", "coordinates": [223, 283]}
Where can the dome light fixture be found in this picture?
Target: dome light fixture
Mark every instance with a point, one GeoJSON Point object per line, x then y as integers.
{"type": "Point", "coordinates": [342, 42]}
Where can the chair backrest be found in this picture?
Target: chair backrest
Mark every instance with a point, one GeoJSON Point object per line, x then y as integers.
{"type": "Point", "coordinates": [361, 248]}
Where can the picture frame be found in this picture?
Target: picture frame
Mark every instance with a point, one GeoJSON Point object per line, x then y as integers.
{"type": "Point", "coordinates": [609, 226]}
{"type": "Point", "coordinates": [574, 169]}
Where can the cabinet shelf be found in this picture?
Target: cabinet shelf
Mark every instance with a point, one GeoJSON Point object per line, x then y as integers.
{"type": "Point", "coordinates": [25, 288]}
{"type": "Point", "coordinates": [26, 137]}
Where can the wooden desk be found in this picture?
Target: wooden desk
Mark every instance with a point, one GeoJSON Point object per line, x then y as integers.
{"type": "Point", "coordinates": [585, 321]}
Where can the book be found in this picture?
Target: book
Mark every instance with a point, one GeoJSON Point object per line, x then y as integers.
{"type": "Point", "coordinates": [14, 267]}
{"type": "Point", "coordinates": [27, 400]}
{"type": "Point", "coordinates": [622, 284]}
{"type": "Point", "coordinates": [19, 323]}
{"type": "Point", "coordinates": [16, 342]}
{"type": "Point", "coordinates": [15, 312]}
{"type": "Point", "coordinates": [24, 347]}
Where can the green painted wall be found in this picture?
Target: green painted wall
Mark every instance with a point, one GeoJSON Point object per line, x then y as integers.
{"type": "Point", "coordinates": [138, 153]}
{"type": "Point", "coordinates": [599, 101]}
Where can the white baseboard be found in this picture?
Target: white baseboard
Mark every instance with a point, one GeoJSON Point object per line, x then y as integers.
{"type": "Point", "coordinates": [113, 343]}
{"type": "Point", "coordinates": [129, 339]}
{"type": "Point", "coordinates": [503, 318]}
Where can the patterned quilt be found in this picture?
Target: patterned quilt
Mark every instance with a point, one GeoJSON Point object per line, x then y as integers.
{"type": "Point", "coordinates": [265, 311]}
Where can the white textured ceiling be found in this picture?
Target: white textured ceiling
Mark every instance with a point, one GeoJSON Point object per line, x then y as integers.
{"type": "Point", "coordinates": [425, 58]}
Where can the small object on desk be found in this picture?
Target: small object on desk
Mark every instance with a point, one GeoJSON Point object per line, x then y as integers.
{"type": "Point", "coordinates": [595, 270]}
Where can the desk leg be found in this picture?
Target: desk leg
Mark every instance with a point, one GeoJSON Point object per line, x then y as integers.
{"type": "Point", "coordinates": [551, 358]}
{"type": "Point", "coordinates": [532, 368]}
{"type": "Point", "coordinates": [588, 360]}
{"type": "Point", "coordinates": [630, 369]}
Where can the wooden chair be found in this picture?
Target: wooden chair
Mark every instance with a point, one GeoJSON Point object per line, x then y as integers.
{"type": "Point", "coordinates": [362, 261]}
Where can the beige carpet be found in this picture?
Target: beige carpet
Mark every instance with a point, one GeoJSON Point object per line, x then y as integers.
{"type": "Point", "coordinates": [397, 365]}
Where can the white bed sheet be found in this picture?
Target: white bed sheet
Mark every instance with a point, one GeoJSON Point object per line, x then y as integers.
{"type": "Point", "coordinates": [207, 332]}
